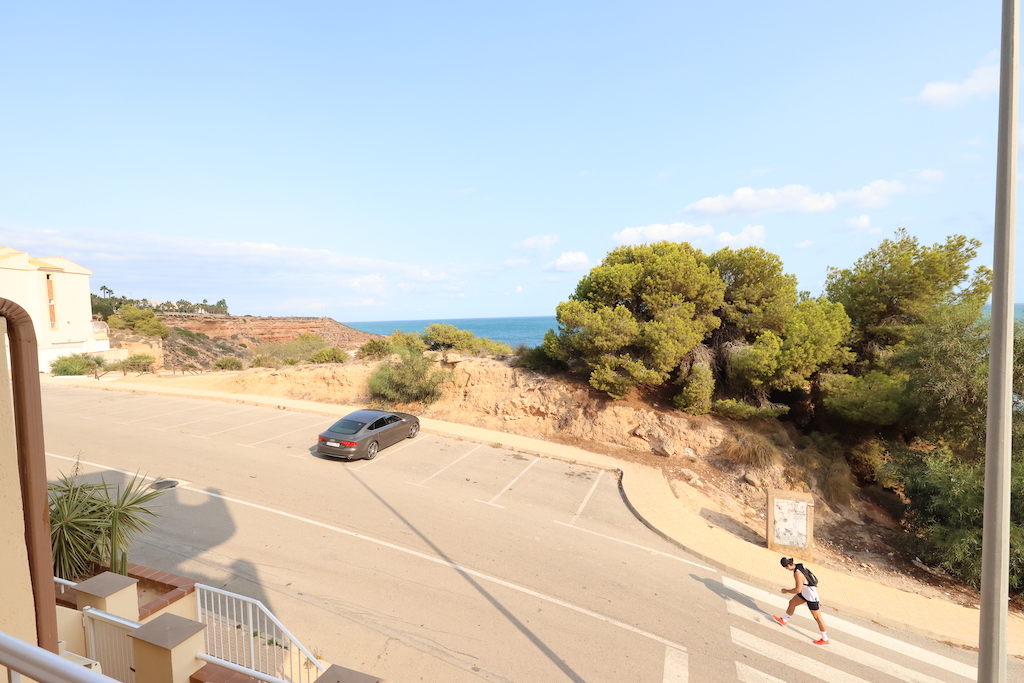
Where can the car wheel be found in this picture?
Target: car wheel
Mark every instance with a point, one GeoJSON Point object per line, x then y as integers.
{"type": "Point", "coordinates": [414, 430]}
{"type": "Point", "coordinates": [371, 450]}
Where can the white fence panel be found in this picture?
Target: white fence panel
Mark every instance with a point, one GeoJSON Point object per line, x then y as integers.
{"type": "Point", "coordinates": [107, 641]}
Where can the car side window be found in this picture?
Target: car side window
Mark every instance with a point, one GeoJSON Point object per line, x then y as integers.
{"type": "Point", "coordinates": [392, 419]}
{"type": "Point", "coordinates": [378, 424]}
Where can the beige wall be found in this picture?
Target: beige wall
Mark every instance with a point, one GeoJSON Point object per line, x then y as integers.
{"type": "Point", "coordinates": [23, 280]}
{"type": "Point", "coordinates": [187, 607]}
{"type": "Point", "coordinates": [17, 615]}
{"type": "Point", "coordinates": [71, 630]}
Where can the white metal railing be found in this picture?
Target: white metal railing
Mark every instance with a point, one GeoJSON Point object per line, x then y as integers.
{"type": "Point", "coordinates": [61, 586]}
{"type": "Point", "coordinates": [107, 641]}
{"type": "Point", "coordinates": [24, 659]}
{"type": "Point", "coordinates": [242, 631]}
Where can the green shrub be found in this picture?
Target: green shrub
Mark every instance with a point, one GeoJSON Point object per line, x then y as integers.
{"type": "Point", "coordinates": [738, 410]}
{"type": "Point", "coordinates": [329, 355]}
{"type": "Point", "coordinates": [752, 449]}
{"type": "Point", "coordinates": [410, 379]}
{"type": "Point", "coordinates": [264, 362]}
{"type": "Point", "coordinates": [138, 320]}
{"type": "Point", "coordinates": [298, 349]}
{"type": "Point", "coordinates": [536, 359]}
{"type": "Point", "coordinates": [139, 362]}
{"type": "Point", "coordinates": [695, 398]}
{"type": "Point", "coordinates": [187, 334]}
{"type": "Point", "coordinates": [375, 349]}
{"type": "Point", "coordinates": [75, 364]}
{"type": "Point", "coordinates": [291, 361]}
{"type": "Point", "coordinates": [227, 363]}
{"type": "Point", "coordinates": [408, 340]}
{"type": "Point", "coordinates": [836, 483]}
{"type": "Point", "coordinates": [189, 351]}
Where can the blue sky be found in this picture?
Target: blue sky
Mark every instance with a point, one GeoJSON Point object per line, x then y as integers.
{"type": "Point", "coordinates": [397, 160]}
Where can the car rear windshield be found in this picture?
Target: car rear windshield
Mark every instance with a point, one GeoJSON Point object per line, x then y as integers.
{"type": "Point", "coordinates": [346, 427]}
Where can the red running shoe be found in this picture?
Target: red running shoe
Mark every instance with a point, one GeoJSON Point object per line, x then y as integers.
{"type": "Point", "coordinates": [780, 620]}
{"type": "Point", "coordinates": [821, 641]}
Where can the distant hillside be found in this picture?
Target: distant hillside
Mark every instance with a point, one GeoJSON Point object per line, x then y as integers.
{"type": "Point", "coordinates": [266, 329]}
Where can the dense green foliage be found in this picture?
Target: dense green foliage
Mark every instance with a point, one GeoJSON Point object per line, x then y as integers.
{"type": "Point", "coordinates": [410, 379]}
{"type": "Point", "coordinates": [299, 349]}
{"type": "Point", "coordinates": [331, 354]}
{"type": "Point", "coordinates": [76, 364]}
{"type": "Point", "coordinates": [94, 524]}
{"type": "Point", "coordinates": [227, 363]}
{"type": "Point", "coordinates": [140, 321]}
{"type": "Point", "coordinates": [447, 337]}
{"type": "Point", "coordinates": [374, 349]}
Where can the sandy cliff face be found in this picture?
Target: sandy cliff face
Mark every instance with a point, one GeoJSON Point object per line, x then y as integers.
{"type": "Point", "coordinates": [489, 393]}
{"type": "Point", "coordinates": [268, 330]}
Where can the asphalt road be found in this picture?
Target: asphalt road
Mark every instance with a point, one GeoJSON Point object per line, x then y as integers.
{"type": "Point", "coordinates": [444, 560]}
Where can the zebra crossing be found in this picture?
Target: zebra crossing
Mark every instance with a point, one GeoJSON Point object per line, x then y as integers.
{"type": "Point", "coordinates": [872, 655]}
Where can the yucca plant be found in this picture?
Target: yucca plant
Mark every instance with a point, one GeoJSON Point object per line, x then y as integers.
{"type": "Point", "coordinates": [89, 527]}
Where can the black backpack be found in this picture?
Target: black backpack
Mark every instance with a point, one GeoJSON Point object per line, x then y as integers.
{"type": "Point", "coordinates": [809, 576]}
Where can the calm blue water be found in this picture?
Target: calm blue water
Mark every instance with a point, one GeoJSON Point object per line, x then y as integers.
{"type": "Point", "coordinates": [512, 331]}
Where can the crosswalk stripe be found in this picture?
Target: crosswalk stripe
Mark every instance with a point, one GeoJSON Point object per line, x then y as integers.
{"type": "Point", "coordinates": [840, 649]}
{"type": "Point", "coordinates": [748, 674]}
{"type": "Point", "coordinates": [676, 666]}
{"type": "Point", "coordinates": [808, 665]}
{"type": "Point", "coordinates": [835, 623]}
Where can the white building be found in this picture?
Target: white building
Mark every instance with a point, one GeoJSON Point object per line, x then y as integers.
{"type": "Point", "coordinates": [55, 293]}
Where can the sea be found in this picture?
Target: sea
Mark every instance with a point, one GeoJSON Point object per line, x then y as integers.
{"type": "Point", "coordinates": [512, 331]}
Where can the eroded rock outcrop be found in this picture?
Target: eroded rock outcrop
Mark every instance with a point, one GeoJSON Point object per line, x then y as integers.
{"type": "Point", "coordinates": [267, 330]}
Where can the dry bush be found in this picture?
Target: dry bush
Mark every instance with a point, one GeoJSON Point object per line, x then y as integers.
{"type": "Point", "coordinates": [752, 449]}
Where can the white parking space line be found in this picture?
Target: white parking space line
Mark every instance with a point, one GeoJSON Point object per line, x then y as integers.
{"type": "Point", "coordinates": [782, 655]}
{"type": "Point", "coordinates": [836, 648]}
{"type": "Point", "coordinates": [138, 407]}
{"type": "Point", "coordinates": [502, 492]}
{"type": "Point", "coordinates": [443, 468]}
{"type": "Point", "coordinates": [247, 424]}
{"type": "Point", "coordinates": [202, 419]}
{"type": "Point", "coordinates": [748, 674]}
{"type": "Point", "coordinates": [414, 553]}
{"type": "Point", "coordinates": [391, 451]}
{"type": "Point", "coordinates": [636, 545]}
{"type": "Point", "coordinates": [676, 666]}
{"type": "Point", "coordinates": [586, 499]}
{"type": "Point", "coordinates": [277, 436]}
{"type": "Point", "coordinates": [835, 623]}
{"type": "Point", "coordinates": [152, 417]}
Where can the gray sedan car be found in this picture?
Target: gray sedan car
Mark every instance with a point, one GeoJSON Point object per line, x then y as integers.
{"type": "Point", "coordinates": [363, 433]}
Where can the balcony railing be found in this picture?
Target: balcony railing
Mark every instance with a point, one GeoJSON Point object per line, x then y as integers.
{"type": "Point", "coordinates": [24, 659]}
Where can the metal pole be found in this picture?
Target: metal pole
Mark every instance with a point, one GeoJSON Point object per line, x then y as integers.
{"type": "Point", "coordinates": [995, 551]}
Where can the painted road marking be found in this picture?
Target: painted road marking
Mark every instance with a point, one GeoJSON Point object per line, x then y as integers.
{"type": "Point", "coordinates": [128, 410]}
{"type": "Point", "coordinates": [164, 429]}
{"type": "Point", "coordinates": [502, 492]}
{"type": "Point", "coordinates": [836, 648]}
{"type": "Point", "coordinates": [277, 436]}
{"type": "Point", "coordinates": [636, 545]}
{"type": "Point", "coordinates": [152, 417]}
{"type": "Point", "coordinates": [380, 457]}
{"type": "Point", "coordinates": [247, 424]}
{"type": "Point", "coordinates": [748, 674]}
{"type": "Point", "coordinates": [676, 669]}
{"type": "Point", "coordinates": [834, 622]}
{"type": "Point", "coordinates": [414, 553]}
{"type": "Point", "coordinates": [586, 500]}
{"type": "Point", "coordinates": [808, 665]}
{"type": "Point", "coordinates": [443, 468]}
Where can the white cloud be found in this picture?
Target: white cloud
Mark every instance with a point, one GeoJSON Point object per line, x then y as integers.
{"type": "Point", "coordinates": [804, 244]}
{"type": "Point", "coordinates": [874, 195]}
{"type": "Point", "coordinates": [519, 289]}
{"type": "Point", "coordinates": [747, 200]}
{"type": "Point", "coordinates": [368, 283]}
{"type": "Point", "coordinates": [983, 81]}
{"type": "Point", "coordinates": [537, 242]}
{"type": "Point", "coordinates": [862, 223]}
{"type": "Point", "coordinates": [512, 262]}
{"type": "Point", "coordinates": [749, 235]}
{"type": "Point", "coordinates": [569, 261]}
{"type": "Point", "coordinates": [929, 175]}
{"type": "Point", "coordinates": [675, 232]}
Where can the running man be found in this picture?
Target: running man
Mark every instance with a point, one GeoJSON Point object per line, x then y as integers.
{"type": "Point", "coordinates": [802, 593]}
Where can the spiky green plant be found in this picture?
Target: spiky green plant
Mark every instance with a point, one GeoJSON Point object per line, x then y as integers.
{"type": "Point", "coordinates": [90, 526]}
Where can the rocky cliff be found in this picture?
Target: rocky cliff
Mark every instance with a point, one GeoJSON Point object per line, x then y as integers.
{"type": "Point", "coordinates": [267, 330]}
